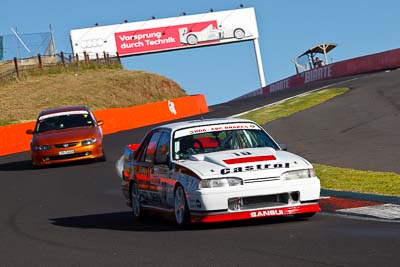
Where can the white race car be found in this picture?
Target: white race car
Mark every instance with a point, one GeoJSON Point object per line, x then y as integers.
{"type": "Point", "coordinates": [211, 33]}
{"type": "Point", "coordinates": [216, 170]}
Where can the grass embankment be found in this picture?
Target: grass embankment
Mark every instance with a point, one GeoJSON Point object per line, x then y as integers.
{"type": "Point", "coordinates": [382, 183]}
{"type": "Point", "coordinates": [98, 88]}
{"type": "Point", "coordinates": [342, 179]}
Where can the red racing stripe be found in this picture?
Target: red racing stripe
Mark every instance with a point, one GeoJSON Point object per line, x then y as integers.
{"type": "Point", "coordinates": [249, 159]}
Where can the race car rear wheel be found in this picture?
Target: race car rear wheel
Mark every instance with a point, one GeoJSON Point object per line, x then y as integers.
{"type": "Point", "coordinates": [192, 39]}
{"type": "Point", "coordinates": [135, 201]}
{"type": "Point", "coordinates": [181, 209]}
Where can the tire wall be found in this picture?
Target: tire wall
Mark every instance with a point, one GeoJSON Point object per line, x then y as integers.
{"type": "Point", "coordinates": [13, 138]}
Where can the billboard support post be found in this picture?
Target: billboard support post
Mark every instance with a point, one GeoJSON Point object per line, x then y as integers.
{"type": "Point", "coordinates": [259, 63]}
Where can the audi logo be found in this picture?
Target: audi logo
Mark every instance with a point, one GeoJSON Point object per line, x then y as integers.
{"type": "Point", "coordinates": [92, 43]}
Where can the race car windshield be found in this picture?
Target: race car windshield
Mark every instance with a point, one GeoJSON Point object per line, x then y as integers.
{"type": "Point", "coordinates": [64, 122]}
{"type": "Point", "coordinates": [213, 141]}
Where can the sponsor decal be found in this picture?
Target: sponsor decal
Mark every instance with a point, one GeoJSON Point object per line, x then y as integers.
{"type": "Point", "coordinates": [155, 39]}
{"type": "Point", "coordinates": [255, 214]}
{"type": "Point", "coordinates": [317, 74]}
{"type": "Point", "coordinates": [214, 128]}
{"type": "Point", "coordinates": [266, 213]}
{"type": "Point", "coordinates": [250, 159]}
{"type": "Point", "coordinates": [257, 167]}
{"type": "Point", "coordinates": [63, 114]}
{"type": "Point", "coordinates": [91, 43]}
{"type": "Point", "coordinates": [278, 86]}
{"type": "Point", "coordinates": [171, 107]}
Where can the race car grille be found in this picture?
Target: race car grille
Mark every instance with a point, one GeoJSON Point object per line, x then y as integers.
{"type": "Point", "coordinates": [256, 202]}
{"type": "Point", "coordinates": [65, 145]}
{"type": "Point", "coordinates": [71, 156]}
{"type": "Point", "coordinates": [260, 180]}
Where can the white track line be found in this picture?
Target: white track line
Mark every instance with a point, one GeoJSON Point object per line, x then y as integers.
{"type": "Point", "coordinates": [286, 99]}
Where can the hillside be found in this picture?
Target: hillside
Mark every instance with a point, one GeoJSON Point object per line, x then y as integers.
{"type": "Point", "coordinates": [22, 100]}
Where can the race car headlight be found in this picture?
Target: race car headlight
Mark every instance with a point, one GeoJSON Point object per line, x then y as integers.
{"type": "Point", "coordinates": [220, 182]}
{"type": "Point", "coordinates": [89, 142]}
{"type": "Point", "coordinates": [41, 147]}
{"type": "Point", "coordinates": [298, 174]}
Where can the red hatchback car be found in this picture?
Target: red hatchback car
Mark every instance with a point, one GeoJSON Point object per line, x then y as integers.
{"type": "Point", "coordinates": [66, 134]}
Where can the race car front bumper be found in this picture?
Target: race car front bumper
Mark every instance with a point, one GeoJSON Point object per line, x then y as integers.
{"type": "Point", "coordinates": [260, 213]}
{"type": "Point", "coordinates": [256, 200]}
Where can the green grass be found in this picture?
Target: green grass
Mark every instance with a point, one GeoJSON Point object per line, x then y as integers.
{"type": "Point", "coordinates": [334, 178]}
{"type": "Point", "coordinates": [291, 106]}
{"type": "Point", "coordinates": [342, 179]}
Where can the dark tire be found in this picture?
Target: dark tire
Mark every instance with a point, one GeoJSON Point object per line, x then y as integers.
{"type": "Point", "coordinates": [102, 158]}
{"type": "Point", "coordinates": [135, 202]}
{"type": "Point", "coordinates": [192, 39]}
{"type": "Point", "coordinates": [304, 215]}
{"type": "Point", "coordinates": [181, 210]}
{"type": "Point", "coordinates": [238, 33]}
{"type": "Point", "coordinates": [35, 166]}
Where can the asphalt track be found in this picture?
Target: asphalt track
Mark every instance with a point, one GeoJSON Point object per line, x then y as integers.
{"type": "Point", "coordinates": [74, 215]}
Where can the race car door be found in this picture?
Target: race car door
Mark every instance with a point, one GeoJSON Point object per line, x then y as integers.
{"type": "Point", "coordinates": [160, 176]}
{"type": "Point", "coordinates": [144, 170]}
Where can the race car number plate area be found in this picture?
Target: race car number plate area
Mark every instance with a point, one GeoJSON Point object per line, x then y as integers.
{"type": "Point", "coordinates": [66, 152]}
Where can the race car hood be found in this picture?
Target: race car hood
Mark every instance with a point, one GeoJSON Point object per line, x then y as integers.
{"type": "Point", "coordinates": [65, 135]}
{"type": "Point", "coordinates": [244, 163]}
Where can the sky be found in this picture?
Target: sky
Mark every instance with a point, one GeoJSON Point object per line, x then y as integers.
{"type": "Point", "coordinates": [286, 29]}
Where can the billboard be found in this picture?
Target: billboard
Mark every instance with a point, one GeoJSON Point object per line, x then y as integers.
{"type": "Point", "coordinates": [157, 35]}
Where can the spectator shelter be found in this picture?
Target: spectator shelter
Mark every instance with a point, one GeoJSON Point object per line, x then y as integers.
{"type": "Point", "coordinates": [310, 59]}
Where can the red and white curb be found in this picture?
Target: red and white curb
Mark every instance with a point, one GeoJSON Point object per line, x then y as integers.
{"type": "Point", "coordinates": [363, 208]}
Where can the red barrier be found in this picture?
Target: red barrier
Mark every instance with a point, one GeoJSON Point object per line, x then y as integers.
{"type": "Point", "coordinates": [13, 138]}
{"type": "Point", "coordinates": [370, 63]}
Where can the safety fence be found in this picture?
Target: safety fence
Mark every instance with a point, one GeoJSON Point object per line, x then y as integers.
{"type": "Point", "coordinates": [13, 138]}
{"type": "Point", "coordinates": [16, 68]}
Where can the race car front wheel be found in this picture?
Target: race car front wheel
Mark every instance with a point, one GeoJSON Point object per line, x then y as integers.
{"type": "Point", "coordinates": [181, 209]}
{"type": "Point", "coordinates": [238, 33]}
{"type": "Point", "coordinates": [302, 216]}
{"type": "Point", "coordinates": [136, 209]}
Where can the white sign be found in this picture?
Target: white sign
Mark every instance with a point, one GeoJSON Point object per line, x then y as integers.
{"type": "Point", "coordinates": [159, 35]}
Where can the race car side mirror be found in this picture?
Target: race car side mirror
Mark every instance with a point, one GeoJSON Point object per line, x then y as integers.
{"type": "Point", "coordinates": [163, 159]}
{"type": "Point", "coordinates": [30, 131]}
{"type": "Point", "coordinates": [283, 147]}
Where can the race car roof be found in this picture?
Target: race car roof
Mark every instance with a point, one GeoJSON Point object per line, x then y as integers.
{"type": "Point", "coordinates": [63, 109]}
